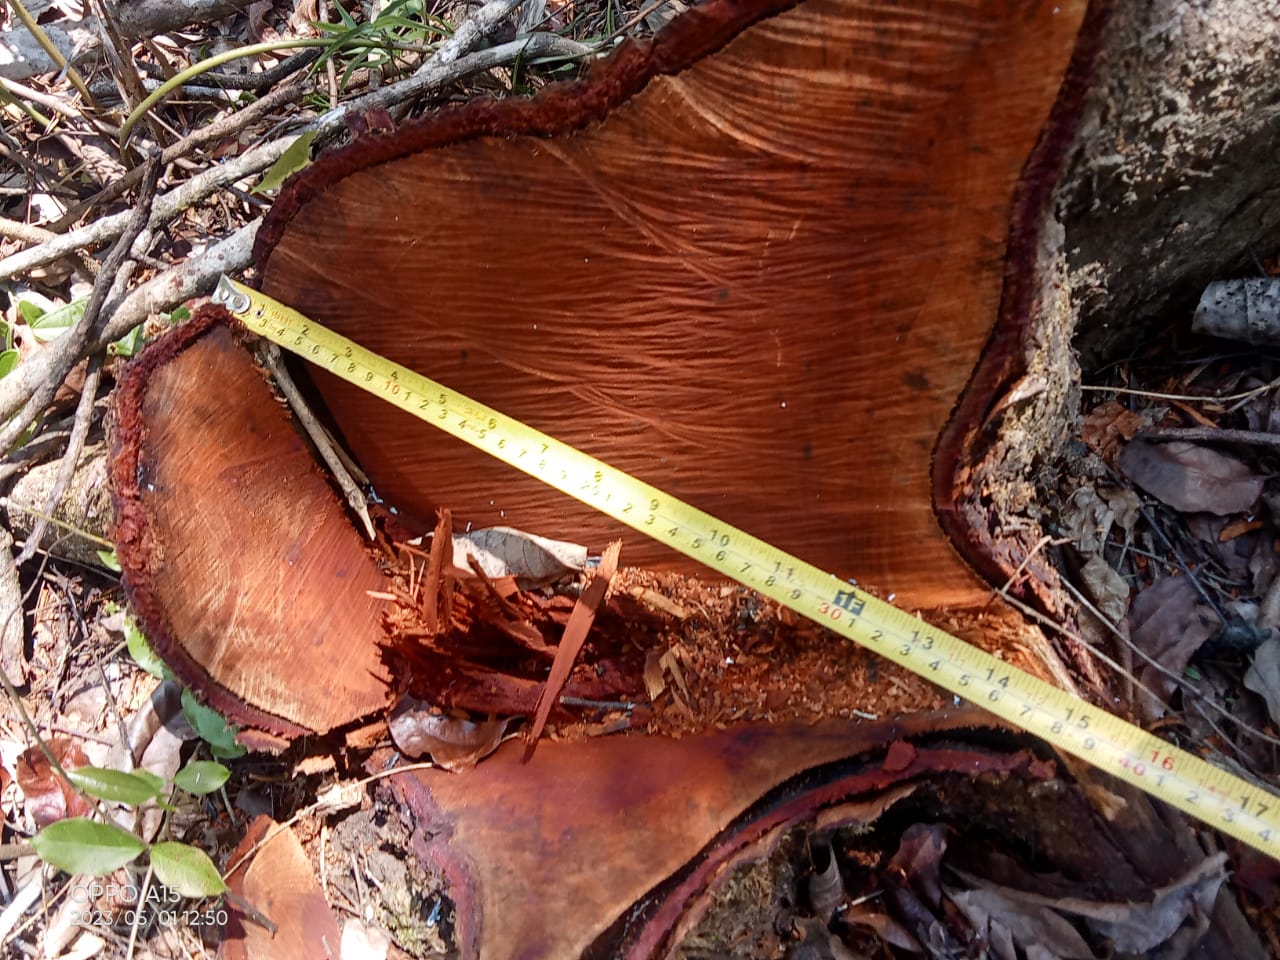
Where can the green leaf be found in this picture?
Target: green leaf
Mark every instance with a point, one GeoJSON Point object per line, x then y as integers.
{"type": "Point", "coordinates": [30, 312]}
{"type": "Point", "coordinates": [115, 785]}
{"type": "Point", "coordinates": [57, 322]}
{"type": "Point", "coordinates": [212, 729]}
{"type": "Point", "coordinates": [156, 781]}
{"type": "Point", "coordinates": [130, 344]}
{"type": "Point", "coordinates": [180, 315]}
{"type": "Point", "coordinates": [79, 845]}
{"type": "Point", "coordinates": [110, 561]}
{"type": "Point", "coordinates": [9, 361]}
{"type": "Point", "coordinates": [185, 869]}
{"type": "Point", "coordinates": [291, 161]}
{"type": "Point", "coordinates": [142, 653]}
{"type": "Point", "coordinates": [201, 776]}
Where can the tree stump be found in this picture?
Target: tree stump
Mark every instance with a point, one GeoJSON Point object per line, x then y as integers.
{"type": "Point", "coordinates": [799, 264]}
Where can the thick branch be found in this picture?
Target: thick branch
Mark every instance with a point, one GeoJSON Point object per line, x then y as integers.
{"type": "Point", "coordinates": [21, 56]}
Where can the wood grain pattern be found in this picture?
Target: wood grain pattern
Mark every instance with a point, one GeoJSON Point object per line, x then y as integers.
{"type": "Point", "coordinates": [761, 282]}
{"type": "Point", "coordinates": [239, 560]}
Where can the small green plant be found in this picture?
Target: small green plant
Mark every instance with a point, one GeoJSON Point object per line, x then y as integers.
{"type": "Point", "coordinates": [404, 26]}
{"type": "Point", "coordinates": [132, 342]}
{"type": "Point", "coordinates": [79, 845]}
{"type": "Point", "coordinates": [83, 845]}
{"type": "Point", "coordinates": [209, 725]}
{"type": "Point", "coordinates": [45, 319]}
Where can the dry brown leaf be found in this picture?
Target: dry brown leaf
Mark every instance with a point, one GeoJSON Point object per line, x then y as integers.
{"type": "Point", "coordinates": [819, 943]}
{"type": "Point", "coordinates": [825, 887]}
{"type": "Point", "coordinates": [1190, 477]}
{"type": "Point", "coordinates": [1167, 622]}
{"type": "Point", "coordinates": [1025, 925]}
{"type": "Point", "coordinates": [883, 926]}
{"type": "Point", "coordinates": [1137, 928]}
{"type": "Point", "coordinates": [1105, 587]}
{"type": "Point", "coordinates": [277, 882]}
{"type": "Point", "coordinates": [1107, 426]}
{"type": "Point", "coordinates": [532, 560]}
{"type": "Point", "coordinates": [919, 858]}
{"type": "Point", "coordinates": [50, 797]}
{"type": "Point", "coordinates": [454, 743]}
{"type": "Point", "coordinates": [259, 26]}
{"type": "Point", "coordinates": [1263, 676]}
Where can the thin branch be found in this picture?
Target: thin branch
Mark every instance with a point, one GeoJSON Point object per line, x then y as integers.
{"type": "Point", "coordinates": [1188, 397]}
{"type": "Point", "coordinates": [225, 126]}
{"type": "Point", "coordinates": [54, 54]}
{"type": "Point", "coordinates": [46, 100]}
{"type": "Point", "coordinates": [66, 351]}
{"type": "Point", "coordinates": [270, 354]}
{"type": "Point", "coordinates": [432, 76]}
{"type": "Point", "coordinates": [79, 41]}
{"type": "Point", "coordinates": [192, 277]}
{"type": "Point", "coordinates": [1253, 438]}
{"type": "Point", "coordinates": [165, 208]}
{"type": "Point", "coordinates": [70, 459]}
{"type": "Point", "coordinates": [470, 32]}
{"type": "Point", "coordinates": [34, 235]}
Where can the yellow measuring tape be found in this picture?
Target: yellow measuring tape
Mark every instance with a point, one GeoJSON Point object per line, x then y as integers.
{"type": "Point", "coordinates": [1215, 796]}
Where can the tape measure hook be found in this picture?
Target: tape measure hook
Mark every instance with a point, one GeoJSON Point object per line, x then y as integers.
{"type": "Point", "coordinates": [235, 301]}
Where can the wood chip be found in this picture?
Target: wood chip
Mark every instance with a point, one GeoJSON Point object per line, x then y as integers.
{"type": "Point", "coordinates": [575, 634]}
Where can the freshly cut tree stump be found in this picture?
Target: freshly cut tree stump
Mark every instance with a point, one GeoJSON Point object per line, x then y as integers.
{"type": "Point", "coordinates": [238, 558]}
{"type": "Point", "coordinates": [755, 262]}
{"type": "Point", "coordinates": [788, 261]}
{"type": "Point", "coordinates": [781, 261]}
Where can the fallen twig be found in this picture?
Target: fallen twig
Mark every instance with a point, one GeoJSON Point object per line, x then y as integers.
{"type": "Point", "coordinates": [1253, 438]}
{"type": "Point", "coordinates": [219, 129]}
{"type": "Point", "coordinates": [65, 352]}
{"type": "Point", "coordinates": [192, 277]}
{"type": "Point", "coordinates": [324, 444]}
{"type": "Point", "coordinates": [34, 235]}
{"type": "Point", "coordinates": [433, 75]}
{"type": "Point", "coordinates": [22, 56]}
{"type": "Point", "coordinates": [471, 31]}
{"type": "Point", "coordinates": [164, 209]}
{"type": "Point", "coordinates": [70, 459]}
{"type": "Point", "coordinates": [55, 55]}
{"type": "Point", "coordinates": [12, 630]}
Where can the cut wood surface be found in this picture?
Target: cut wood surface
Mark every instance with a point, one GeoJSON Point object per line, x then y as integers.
{"type": "Point", "coordinates": [239, 559]}
{"type": "Point", "coordinates": [583, 877]}
{"type": "Point", "coordinates": [754, 262]}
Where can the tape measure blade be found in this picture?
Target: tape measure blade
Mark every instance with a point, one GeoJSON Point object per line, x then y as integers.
{"type": "Point", "coordinates": [1101, 739]}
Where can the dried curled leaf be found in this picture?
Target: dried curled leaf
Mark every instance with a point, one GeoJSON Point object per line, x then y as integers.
{"type": "Point", "coordinates": [49, 796]}
{"type": "Point", "coordinates": [1190, 477]}
{"type": "Point", "coordinates": [454, 743]}
{"type": "Point", "coordinates": [1263, 676]}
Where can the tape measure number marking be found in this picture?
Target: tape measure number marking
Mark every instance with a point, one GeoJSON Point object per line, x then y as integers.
{"type": "Point", "coordinates": [1221, 799]}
